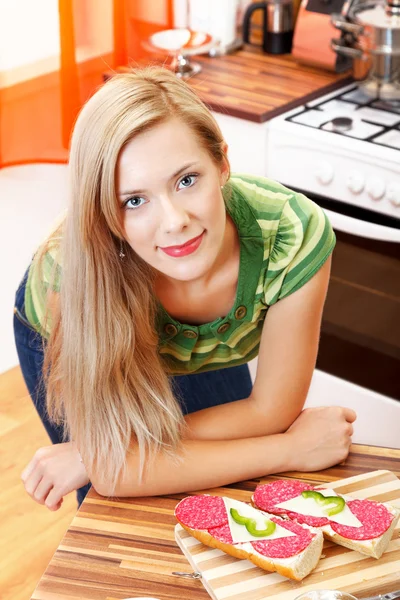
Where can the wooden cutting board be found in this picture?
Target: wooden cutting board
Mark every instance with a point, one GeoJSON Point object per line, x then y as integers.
{"type": "Point", "coordinates": [228, 578]}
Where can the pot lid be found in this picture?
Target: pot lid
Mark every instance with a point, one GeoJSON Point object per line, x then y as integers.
{"type": "Point", "coordinates": [384, 15]}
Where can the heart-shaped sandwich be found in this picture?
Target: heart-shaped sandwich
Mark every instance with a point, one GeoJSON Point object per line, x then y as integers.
{"type": "Point", "coordinates": [362, 525]}
{"type": "Point", "coordinates": [239, 529]}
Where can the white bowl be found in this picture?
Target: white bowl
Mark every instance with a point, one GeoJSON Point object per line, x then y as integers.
{"type": "Point", "coordinates": [185, 40]}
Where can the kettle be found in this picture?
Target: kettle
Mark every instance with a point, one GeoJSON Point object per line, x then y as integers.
{"type": "Point", "coordinates": [278, 24]}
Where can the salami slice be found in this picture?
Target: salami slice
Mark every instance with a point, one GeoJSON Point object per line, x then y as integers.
{"type": "Point", "coordinates": [375, 518]}
{"type": "Point", "coordinates": [308, 520]}
{"type": "Point", "coordinates": [202, 512]}
{"type": "Point", "coordinates": [267, 496]}
{"type": "Point", "coordinates": [223, 534]}
{"type": "Point", "coordinates": [287, 546]}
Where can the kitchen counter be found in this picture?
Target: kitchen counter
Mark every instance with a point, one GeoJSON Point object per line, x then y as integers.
{"type": "Point", "coordinates": [116, 549]}
{"type": "Point", "coordinates": [255, 86]}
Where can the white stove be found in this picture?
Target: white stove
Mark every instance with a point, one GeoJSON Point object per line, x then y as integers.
{"type": "Point", "coordinates": [345, 147]}
{"type": "Point", "coordinates": [342, 150]}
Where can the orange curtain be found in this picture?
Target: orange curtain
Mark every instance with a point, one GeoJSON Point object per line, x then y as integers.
{"type": "Point", "coordinates": [37, 112]}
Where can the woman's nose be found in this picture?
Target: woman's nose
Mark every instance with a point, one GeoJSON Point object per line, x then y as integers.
{"type": "Point", "coordinates": [174, 217]}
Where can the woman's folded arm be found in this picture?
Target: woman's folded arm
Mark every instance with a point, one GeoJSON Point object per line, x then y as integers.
{"type": "Point", "coordinates": [200, 464]}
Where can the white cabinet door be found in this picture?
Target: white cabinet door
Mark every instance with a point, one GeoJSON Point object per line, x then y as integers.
{"type": "Point", "coordinates": [247, 143]}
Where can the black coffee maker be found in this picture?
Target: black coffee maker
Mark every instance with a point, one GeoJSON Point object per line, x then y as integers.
{"type": "Point", "coordinates": [278, 24]}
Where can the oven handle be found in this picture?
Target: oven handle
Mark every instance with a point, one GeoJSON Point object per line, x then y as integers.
{"type": "Point", "coordinates": [364, 229]}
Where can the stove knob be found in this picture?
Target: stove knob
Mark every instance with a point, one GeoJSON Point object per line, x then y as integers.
{"type": "Point", "coordinates": [376, 188]}
{"type": "Point", "coordinates": [393, 193]}
{"type": "Point", "coordinates": [356, 182]}
{"type": "Point", "coordinates": [324, 173]}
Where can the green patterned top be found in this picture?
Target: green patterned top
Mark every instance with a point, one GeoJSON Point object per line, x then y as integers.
{"type": "Point", "coordinates": [284, 239]}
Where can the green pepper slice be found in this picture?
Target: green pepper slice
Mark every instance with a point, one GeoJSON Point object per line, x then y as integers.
{"type": "Point", "coordinates": [321, 500]}
{"type": "Point", "coordinates": [237, 517]}
{"type": "Point", "coordinates": [251, 524]}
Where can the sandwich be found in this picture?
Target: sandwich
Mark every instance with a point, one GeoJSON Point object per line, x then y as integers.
{"type": "Point", "coordinates": [239, 529]}
{"type": "Point", "coordinates": [362, 525]}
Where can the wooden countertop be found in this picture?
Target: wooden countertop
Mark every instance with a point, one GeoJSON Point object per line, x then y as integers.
{"type": "Point", "coordinates": [255, 86]}
{"type": "Point", "coordinates": [125, 548]}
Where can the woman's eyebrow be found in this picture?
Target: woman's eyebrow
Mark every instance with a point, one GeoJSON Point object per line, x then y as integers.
{"type": "Point", "coordinates": [181, 170]}
{"type": "Point", "coordinates": [187, 166]}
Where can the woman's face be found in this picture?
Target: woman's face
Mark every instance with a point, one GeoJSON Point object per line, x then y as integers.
{"type": "Point", "coordinates": [170, 192]}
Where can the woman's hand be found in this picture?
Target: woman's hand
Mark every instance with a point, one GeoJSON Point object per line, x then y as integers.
{"type": "Point", "coordinates": [320, 437]}
{"type": "Point", "coordinates": [54, 472]}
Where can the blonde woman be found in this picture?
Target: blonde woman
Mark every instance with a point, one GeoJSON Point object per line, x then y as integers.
{"type": "Point", "coordinates": [136, 319]}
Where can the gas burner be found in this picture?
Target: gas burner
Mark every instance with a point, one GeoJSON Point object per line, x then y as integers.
{"type": "Point", "coordinates": [341, 124]}
{"type": "Point", "coordinates": [350, 113]}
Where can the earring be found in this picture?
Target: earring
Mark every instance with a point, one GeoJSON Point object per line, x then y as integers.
{"type": "Point", "coordinates": [121, 250]}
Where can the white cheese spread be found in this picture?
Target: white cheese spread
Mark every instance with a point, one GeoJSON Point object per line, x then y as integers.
{"type": "Point", "coordinates": [239, 532]}
{"type": "Point", "coordinates": [308, 506]}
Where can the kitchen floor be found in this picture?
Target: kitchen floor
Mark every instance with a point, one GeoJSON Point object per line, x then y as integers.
{"type": "Point", "coordinates": [30, 533]}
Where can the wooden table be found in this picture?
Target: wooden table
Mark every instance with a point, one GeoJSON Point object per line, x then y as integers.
{"type": "Point", "coordinates": [125, 548]}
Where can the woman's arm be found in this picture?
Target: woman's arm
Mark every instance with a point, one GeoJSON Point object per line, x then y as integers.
{"type": "Point", "coordinates": [318, 439]}
{"type": "Point", "coordinates": [288, 351]}
{"type": "Point", "coordinates": [200, 464]}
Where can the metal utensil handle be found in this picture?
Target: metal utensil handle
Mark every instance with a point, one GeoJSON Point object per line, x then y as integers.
{"type": "Point", "coordinates": [341, 23]}
{"type": "Point", "coordinates": [194, 575]}
{"type": "Point", "coordinates": [389, 596]}
{"type": "Point", "coordinates": [346, 50]}
{"type": "Point", "coordinates": [392, 595]}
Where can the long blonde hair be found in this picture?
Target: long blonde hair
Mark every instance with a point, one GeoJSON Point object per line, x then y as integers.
{"type": "Point", "coordinates": [106, 382]}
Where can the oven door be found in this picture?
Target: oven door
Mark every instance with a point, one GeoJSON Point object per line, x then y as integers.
{"type": "Point", "coordinates": [360, 335]}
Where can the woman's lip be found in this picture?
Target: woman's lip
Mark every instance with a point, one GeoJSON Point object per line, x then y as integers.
{"type": "Point", "coordinates": [184, 249]}
{"type": "Point", "coordinates": [182, 245]}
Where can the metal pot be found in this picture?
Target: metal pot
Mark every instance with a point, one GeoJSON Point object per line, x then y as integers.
{"type": "Point", "coordinates": [371, 36]}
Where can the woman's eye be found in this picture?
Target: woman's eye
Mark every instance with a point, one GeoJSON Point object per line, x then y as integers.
{"type": "Point", "coordinates": [188, 180]}
{"type": "Point", "coordinates": [134, 202]}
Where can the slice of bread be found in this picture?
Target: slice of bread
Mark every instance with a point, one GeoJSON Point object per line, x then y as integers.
{"type": "Point", "coordinates": [372, 546]}
{"type": "Point", "coordinates": [296, 566]}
